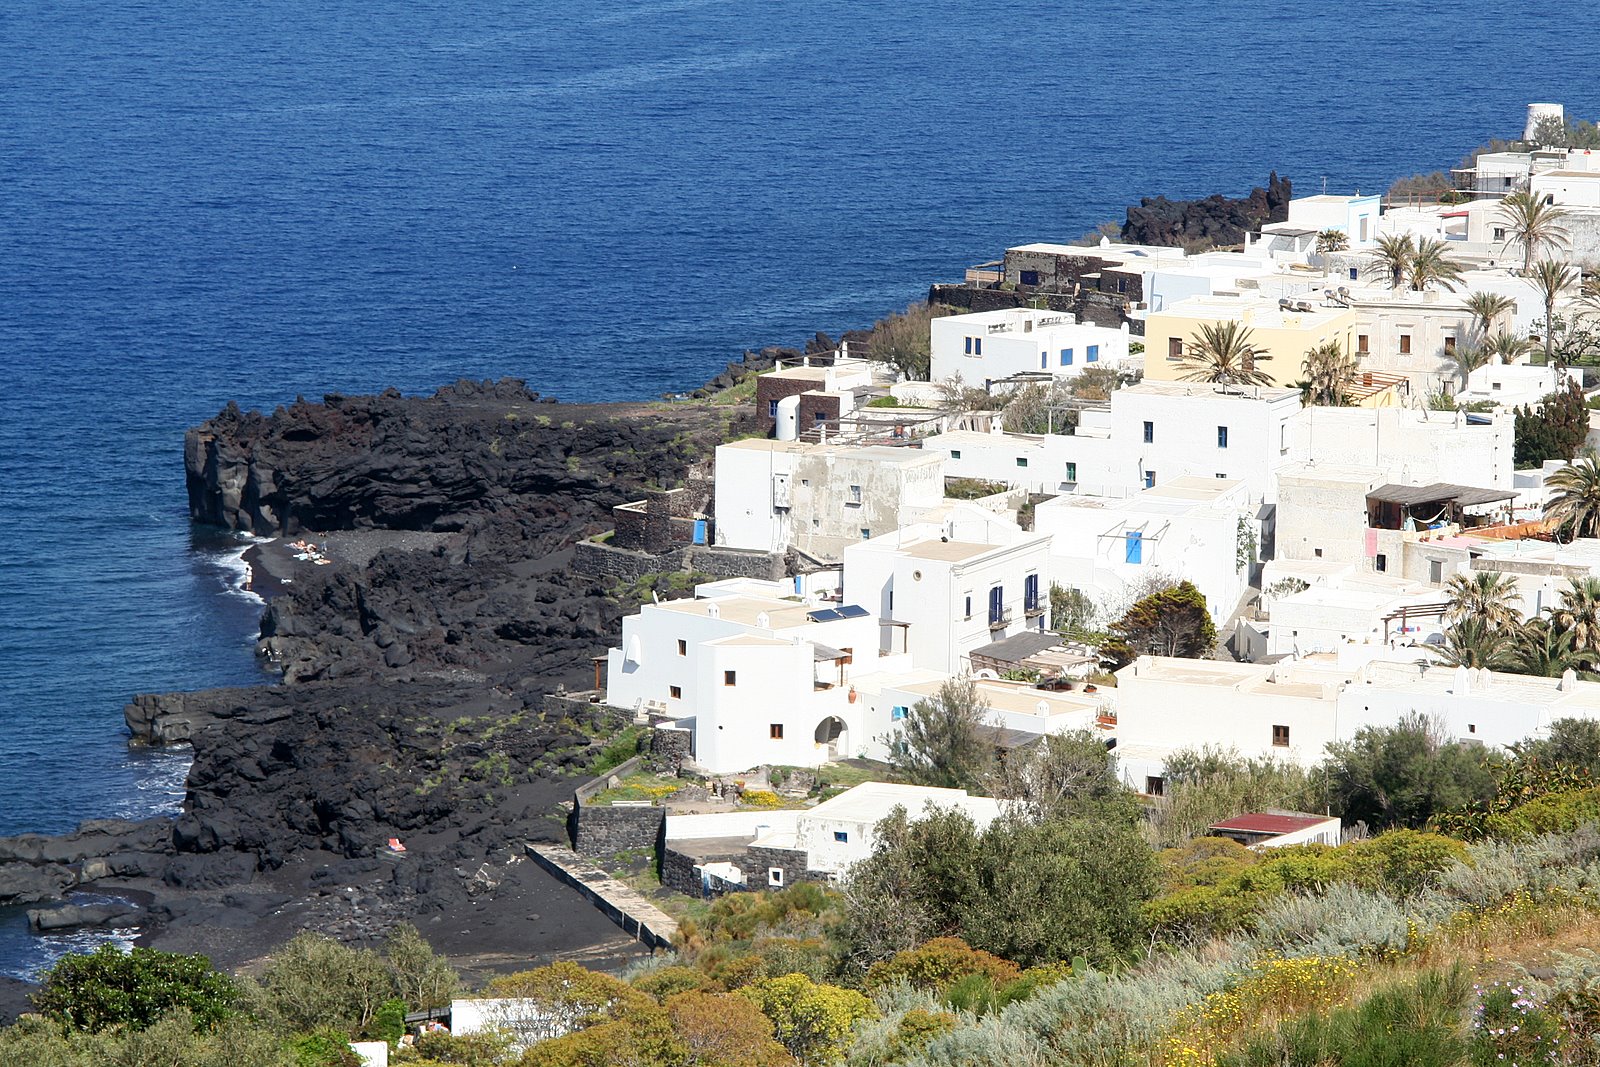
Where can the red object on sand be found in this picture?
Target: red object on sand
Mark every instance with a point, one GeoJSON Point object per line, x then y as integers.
{"type": "Point", "coordinates": [395, 845]}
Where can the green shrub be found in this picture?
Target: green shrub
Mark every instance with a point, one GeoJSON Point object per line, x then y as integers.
{"type": "Point", "coordinates": [937, 964]}
{"type": "Point", "coordinates": [487, 1049]}
{"type": "Point", "coordinates": [108, 987]}
{"type": "Point", "coordinates": [389, 1024]}
{"type": "Point", "coordinates": [1553, 813]}
{"type": "Point", "coordinates": [918, 1027]}
{"type": "Point", "coordinates": [324, 1047]}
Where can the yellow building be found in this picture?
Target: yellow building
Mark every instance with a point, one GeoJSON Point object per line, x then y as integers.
{"type": "Point", "coordinates": [1282, 332]}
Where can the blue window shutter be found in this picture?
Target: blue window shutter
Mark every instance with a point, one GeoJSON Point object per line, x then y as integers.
{"type": "Point", "coordinates": [969, 346]}
{"type": "Point", "coordinates": [997, 600]}
{"type": "Point", "coordinates": [1044, 360]}
{"type": "Point", "coordinates": [1066, 357]}
{"type": "Point", "coordinates": [1135, 547]}
{"type": "Point", "coordinates": [977, 346]}
{"type": "Point", "coordinates": [1093, 354]}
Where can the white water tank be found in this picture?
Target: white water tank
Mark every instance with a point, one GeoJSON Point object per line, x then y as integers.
{"type": "Point", "coordinates": [789, 418]}
{"type": "Point", "coordinates": [1536, 112]}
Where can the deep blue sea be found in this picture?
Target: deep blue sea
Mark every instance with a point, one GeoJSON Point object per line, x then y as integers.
{"type": "Point", "coordinates": [203, 201]}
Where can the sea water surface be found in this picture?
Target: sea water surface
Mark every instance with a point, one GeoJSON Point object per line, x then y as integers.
{"type": "Point", "coordinates": [202, 201]}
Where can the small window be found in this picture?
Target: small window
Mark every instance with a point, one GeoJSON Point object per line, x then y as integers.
{"type": "Point", "coordinates": [730, 677]}
{"type": "Point", "coordinates": [969, 605]}
{"type": "Point", "coordinates": [1449, 342]}
{"type": "Point", "coordinates": [898, 713]}
{"type": "Point", "coordinates": [1500, 233]}
{"type": "Point", "coordinates": [1149, 433]}
{"type": "Point", "coordinates": [977, 346]}
{"type": "Point", "coordinates": [805, 481]}
{"type": "Point", "coordinates": [772, 409]}
{"type": "Point", "coordinates": [816, 522]}
{"type": "Point", "coordinates": [853, 500]}
{"type": "Point", "coordinates": [1405, 343]}
{"type": "Point", "coordinates": [1493, 386]}
{"type": "Point", "coordinates": [683, 647]}
{"type": "Point", "coordinates": [969, 346]}
{"type": "Point", "coordinates": [1029, 277]}
{"type": "Point", "coordinates": [1149, 479]}
{"type": "Point", "coordinates": [1122, 286]}
{"type": "Point", "coordinates": [866, 533]}
{"type": "Point", "coordinates": [1318, 552]}
{"type": "Point", "coordinates": [1283, 437]}
{"type": "Point", "coordinates": [676, 691]}
{"type": "Point", "coordinates": [842, 836]}
{"type": "Point", "coordinates": [1472, 727]}
{"type": "Point", "coordinates": [819, 418]}
{"type": "Point", "coordinates": [1155, 786]}
{"type": "Point", "coordinates": [775, 876]}
{"type": "Point", "coordinates": [1044, 361]}
{"type": "Point", "coordinates": [1363, 343]}
{"type": "Point", "coordinates": [1221, 476]}
{"type": "Point", "coordinates": [1092, 354]}
{"type": "Point", "coordinates": [1174, 348]}
{"type": "Point", "coordinates": [1066, 357]}
{"type": "Point", "coordinates": [1435, 572]}
{"type": "Point", "coordinates": [1022, 461]}
{"type": "Point", "coordinates": [1280, 736]}
{"type": "Point", "coordinates": [1072, 472]}
{"type": "Point", "coordinates": [1222, 437]}
{"type": "Point", "coordinates": [775, 731]}
{"type": "Point", "coordinates": [955, 453]}
{"type": "Point", "coordinates": [1380, 563]}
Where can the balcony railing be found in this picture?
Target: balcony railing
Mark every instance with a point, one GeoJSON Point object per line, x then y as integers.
{"type": "Point", "coordinates": [1000, 620]}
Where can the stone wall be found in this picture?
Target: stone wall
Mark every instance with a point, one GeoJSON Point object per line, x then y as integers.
{"type": "Point", "coordinates": [606, 829]}
{"type": "Point", "coordinates": [762, 859]}
{"type": "Point", "coordinates": [597, 560]}
{"type": "Point", "coordinates": [678, 871]}
{"type": "Point", "coordinates": [670, 748]}
{"type": "Point", "coordinates": [1088, 305]}
{"type": "Point", "coordinates": [813, 406]}
{"type": "Point", "coordinates": [772, 388]}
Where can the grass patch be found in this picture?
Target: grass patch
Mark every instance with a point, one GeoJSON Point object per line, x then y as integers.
{"type": "Point", "coordinates": [652, 787]}
{"type": "Point", "coordinates": [621, 748]}
{"type": "Point", "coordinates": [892, 402]}
{"type": "Point", "coordinates": [742, 393]}
{"type": "Point", "coordinates": [971, 488]}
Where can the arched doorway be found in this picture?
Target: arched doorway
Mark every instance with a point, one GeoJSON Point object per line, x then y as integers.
{"type": "Point", "coordinates": [832, 733]}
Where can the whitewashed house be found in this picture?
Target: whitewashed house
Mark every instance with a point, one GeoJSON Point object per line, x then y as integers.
{"type": "Point", "coordinates": [995, 346]}
{"type": "Point", "coordinates": [1147, 434]}
{"type": "Point", "coordinates": [818, 498]}
{"type": "Point", "coordinates": [1203, 530]}
{"type": "Point", "coordinates": [1292, 710]}
{"type": "Point", "coordinates": [939, 591]}
{"type": "Point", "coordinates": [756, 680]}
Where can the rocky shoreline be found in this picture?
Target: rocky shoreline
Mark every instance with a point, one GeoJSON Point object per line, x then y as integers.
{"type": "Point", "coordinates": [423, 646]}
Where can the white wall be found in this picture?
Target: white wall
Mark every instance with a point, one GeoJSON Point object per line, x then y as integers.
{"type": "Point", "coordinates": [1409, 446]}
{"type": "Point", "coordinates": [992, 345]}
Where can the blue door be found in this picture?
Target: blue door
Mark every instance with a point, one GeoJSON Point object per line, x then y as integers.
{"type": "Point", "coordinates": [997, 600]}
{"type": "Point", "coordinates": [699, 531]}
{"type": "Point", "coordinates": [1134, 552]}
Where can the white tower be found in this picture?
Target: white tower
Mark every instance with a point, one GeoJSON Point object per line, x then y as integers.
{"type": "Point", "coordinates": [1536, 112]}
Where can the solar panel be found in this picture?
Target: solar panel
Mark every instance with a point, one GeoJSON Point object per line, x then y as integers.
{"type": "Point", "coordinates": [853, 611]}
{"type": "Point", "coordinates": [825, 615]}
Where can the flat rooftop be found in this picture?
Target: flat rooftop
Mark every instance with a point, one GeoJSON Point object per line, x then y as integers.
{"type": "Point", "coordinates": [744, 610]}
{"type": "Point", "coordinates": [1019, 699]}
{"type": "Point", "coordinates": [1271, 823]}
{"type": "Point", "coordinates": [876, 454]}
{"type": "Point", "coordinates": [947, 551]}
{"type": "Point", "coordinates": [1262, 313]}
{"type": "Point", "coordinates": [1235, 392]}
{"type": "Point", "coordinates": [871, 801]}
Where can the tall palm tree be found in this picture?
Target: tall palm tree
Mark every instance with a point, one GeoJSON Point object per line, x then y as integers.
{"type": "Point", "coordinates": [1544, 650]}
{"type": "Point", "coordinates": [1329, 372]}
{"type": "Point", "coordinates": [1392, 255]}
{"type": "Point", "coordinates": [1552, 278]}
{"type": "Point", "coordinates": [1575, 501]}
{"type": "Point", "coordinates": [1469, 356]}
{"type": "Point", "coordinates": [1430, 262]}
{"type": "Point", "coordinates": [1533, 223]}
{"type": "Point", "coordinates": [1579, 612]}
{"type": "Point", "coordinates": [1505, 347]}
{"type": "Point", "coordinates": [1487, 307]}
{"type": "Point", "coordinates": [1329, 242]}
{"type": "Point", "coordinates": [1223, 353]}
{"type": "Point", "coordinates": [1487, 596]}
{"type": "Point", "coordinates": [1469, 643]}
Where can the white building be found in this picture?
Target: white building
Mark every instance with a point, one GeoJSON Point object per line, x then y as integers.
{"type": "Point", "coordinates": [1149, 433]}
{"type": "Point", "coordinates": [1292, 710]}
{"type": "Point", "coordinates": [757, 680]}
{"type": "Point", "coordinates": [1374, 610]}
{"type": "Point", "coordinates": [771, 495]}
{"type": "Point", "coordinates": [1354, 216]}
{"type": "Point", "coordinates": [1204, 530]}
{"type": "Point", "coordinates": [938, 596]}
{"type": "Point", "coordinates": [1514, 384]}
{"type": "Point", "coordinates": [1016, 712]}
{"type": "Point", "coordinates": [824, 841]}
{"type": "Point", "coordinates": [994, 346]}
{"type": "Point", "coordinates": [1414, 446]}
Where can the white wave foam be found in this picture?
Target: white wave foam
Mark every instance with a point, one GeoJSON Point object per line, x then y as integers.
{"type": "Point", "coordinates": [238, 574]}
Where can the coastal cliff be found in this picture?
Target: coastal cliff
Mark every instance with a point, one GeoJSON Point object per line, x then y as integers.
{"type": "Point", "coordinates": [420, 645]}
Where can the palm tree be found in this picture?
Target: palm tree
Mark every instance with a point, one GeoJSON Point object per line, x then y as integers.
{"type": "Point", "coordinates": [1223, 353]}
{"type": "Point", "coordinates": [1430, 262]}
{"type": "Point", "coordinates": [1393, 255]}
{"type": "Point", "coordinates": [1469, 643]}
{"type": "Point", "coordinates": [1487, 596]}
{"type": "Point", "coordinates": [1545, 650]}
{"type": "Point", "coordinates": [1486, 307]}
{"type": "Point", "coordinates": [1534, 223]}
{"type": "Point", "coordinates": [1469, 357]}
{"type": "Point", "coordinates": [1506, 347]}
{"type": "Point", "coordinates": [1330, 241]}
{"type": "Point", "coordinates": [1552, 278]}
{"type": "Point", "coordinates": [1576, 500]}
{"type": "Point", "coordinates": [1579, 613]}
{"type": "Point", "coordinates": [1329, 371]}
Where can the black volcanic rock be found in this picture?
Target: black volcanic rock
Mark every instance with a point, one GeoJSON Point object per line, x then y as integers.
{"type": "Point", "coordinates": [1216, 220]}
